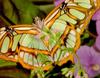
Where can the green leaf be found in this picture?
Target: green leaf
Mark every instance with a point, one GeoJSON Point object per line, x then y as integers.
{"type": "Point", "coordinates": [91, 42]}
{"type": "Point", "coordinates": [4, 63]}
{"type": "Point", "coordinates": [8, 11]}
{"type": "Point", "coordinates": [65, 70]}
{"type": "Point", "coordinates": [85, 35]}
{"type": "Point", "coordinates": [37, 72]}
{"type": "Point", "coordinates": [43, 59]}
{"type": "Point", "coordinates": [21, 11]}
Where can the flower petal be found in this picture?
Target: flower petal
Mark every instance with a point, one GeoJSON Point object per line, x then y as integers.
{"type": "Point", "coordinates": [98, 27]}
{"type": "Point", "coordinates": [96, 15]}
{"type": "Point", "coordinates": [89, 57]}
{"type": "Point", "coordinates": [95, 56]}
{"type": "Point", "coordinates": [97, 44]}
{"type": "Point", "coordinates": [90, 72]}
{"type": "Point", "coordinates": [57, 2]}
{"type": "Point", "coordinates": [95, 60]}
{"type": "Point", "coordinates": [84, 55]}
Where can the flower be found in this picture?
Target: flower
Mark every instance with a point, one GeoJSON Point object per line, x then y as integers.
{"type": "Point", "coordinates": [97, 18]}
{"type": "Point", "coordinates": [84, 76]}
{"type": "Point", "coordinates": [90, 56]}
{"type": "Point", "coordinates": [98, 26]}
{"type": "Point", "coordinates": [57, 2]}
{"type": "Point", "coordinates": [89, 59]}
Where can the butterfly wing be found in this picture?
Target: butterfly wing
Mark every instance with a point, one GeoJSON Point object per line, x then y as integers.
{"type": "Point", "coordinates": [20, 44]}
{"type": "Point", "coordinates": [33, 53]}
{"type": "Point", "coordinates": [68, 18]}
{"type": "Point", "coordinates": [5, 45]}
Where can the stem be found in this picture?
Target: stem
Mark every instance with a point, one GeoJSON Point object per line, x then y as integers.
{"type": "Point", "coordinates": [1, 18]}
{"type": "Point", "coordinates": [31, 75]}
{"type": "Point", "coordinates": [91, 34]}
{"type": "Point", "coordinates": [37, 72]}
{"type": "Point", "coordinates": [78, 65]}
{"type": "Point", "coordinates": [5, 20]}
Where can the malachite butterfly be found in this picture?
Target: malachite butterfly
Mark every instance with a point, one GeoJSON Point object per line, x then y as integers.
{"type": "Point", "coordinates": [33, 47]}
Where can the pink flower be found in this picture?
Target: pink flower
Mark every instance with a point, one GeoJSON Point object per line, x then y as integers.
{"type": "Point", "coordinates": [57, 2]}
{"type": "Point", "coordinates": [90, 56]}
{"type": "Point", "coordinates": [96, 16]}
{"type": "Point", "coordinates": [90, 60]}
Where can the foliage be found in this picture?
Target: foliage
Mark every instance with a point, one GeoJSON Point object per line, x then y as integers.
{"type": "Point", "coordinates": [23, 11]}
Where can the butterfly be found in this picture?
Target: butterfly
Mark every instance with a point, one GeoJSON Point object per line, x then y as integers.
{"type": "Point", "coordinates": [72, 13]}
{"type": "Point", "coordinates": [46, 46]}
{"type": "Point", "coordinates": [76, 13]}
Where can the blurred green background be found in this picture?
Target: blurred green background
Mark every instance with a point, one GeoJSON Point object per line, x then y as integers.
{"type": "Point", "coordinates": [24, 11]}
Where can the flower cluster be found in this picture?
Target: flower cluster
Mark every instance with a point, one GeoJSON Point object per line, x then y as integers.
{"type": "Point", "coordinates": [90, 56]}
